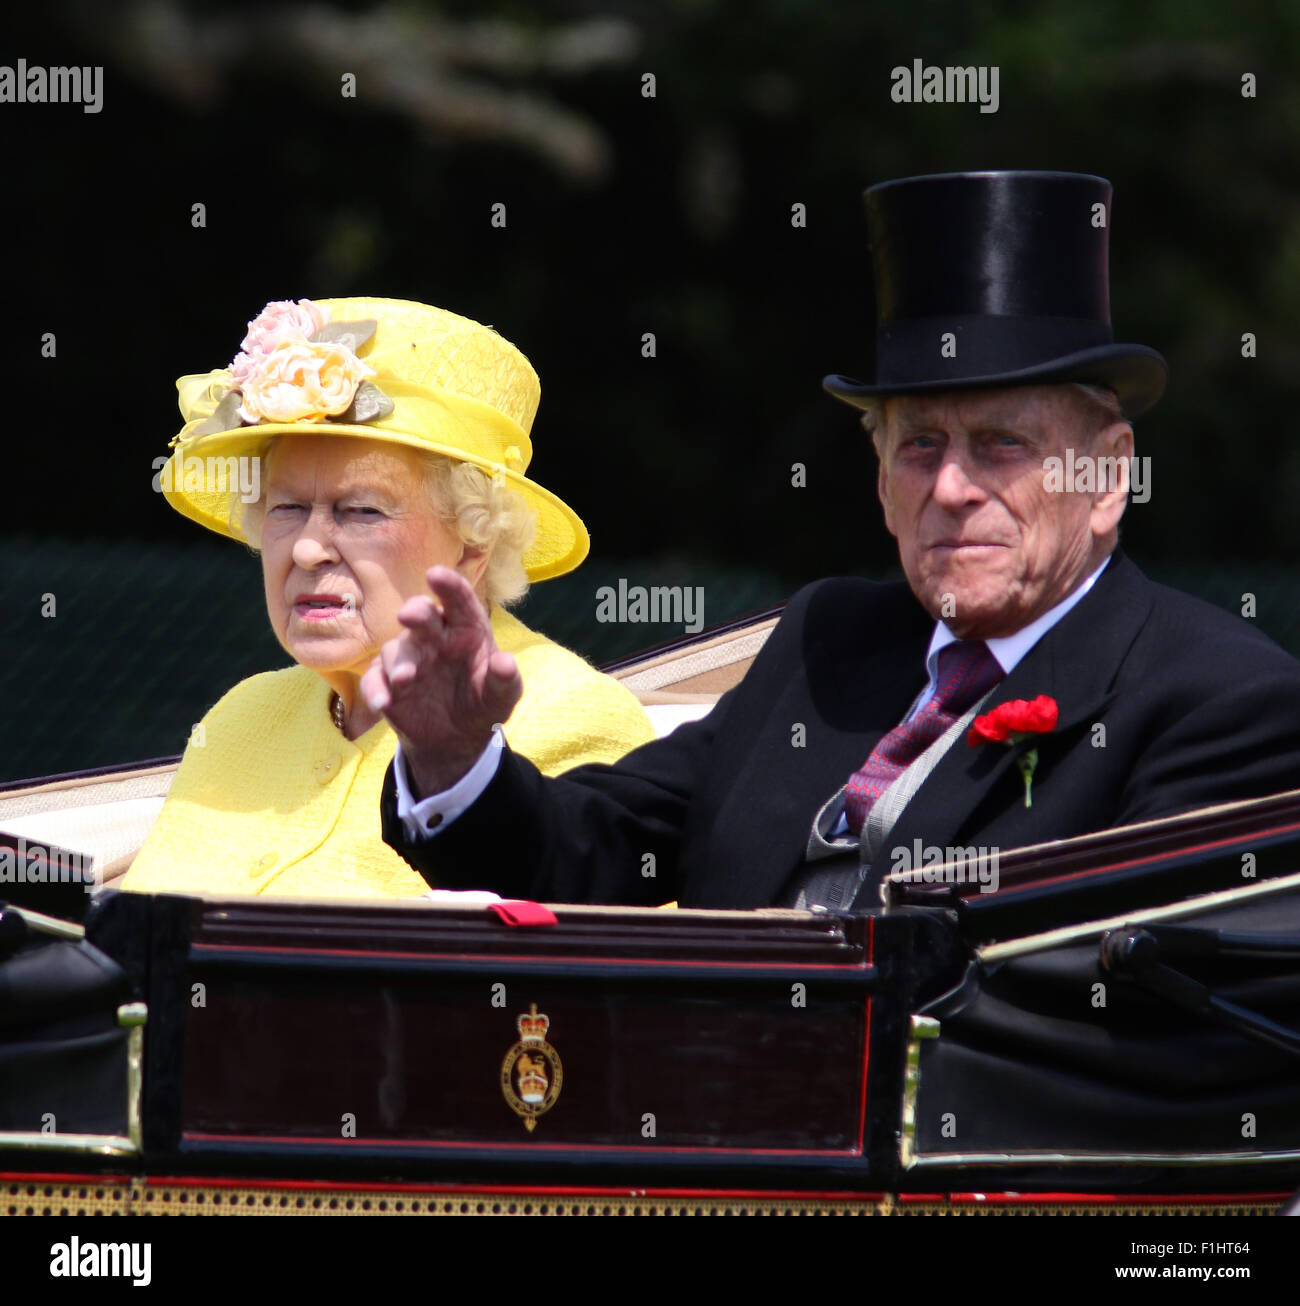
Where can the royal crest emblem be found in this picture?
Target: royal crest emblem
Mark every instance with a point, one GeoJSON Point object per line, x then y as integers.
{"type": "Point", "coordinates": [531, 1074]}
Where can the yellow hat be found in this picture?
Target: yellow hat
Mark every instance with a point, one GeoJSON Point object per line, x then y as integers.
{"type": "Point", "coordinates": [375, 369]}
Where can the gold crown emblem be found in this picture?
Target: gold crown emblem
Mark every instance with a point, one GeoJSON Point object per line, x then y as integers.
{"type": "Point", "coordinates": [533, 1025]}
{"type": "Point", "coordinates": [533, 1083]}
{"type": "Point", "coordinates": [531, 1074]}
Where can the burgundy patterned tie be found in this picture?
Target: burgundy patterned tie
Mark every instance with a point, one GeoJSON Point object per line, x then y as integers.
{"type": "Point", "coordinates": [967, 670]}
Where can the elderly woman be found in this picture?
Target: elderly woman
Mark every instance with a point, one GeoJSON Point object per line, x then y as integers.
{"type": "Point", "coordinates": [356, 444]}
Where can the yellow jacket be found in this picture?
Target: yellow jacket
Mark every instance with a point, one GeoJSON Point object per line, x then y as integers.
{"type": "Point", "coordinates": [271, 797]}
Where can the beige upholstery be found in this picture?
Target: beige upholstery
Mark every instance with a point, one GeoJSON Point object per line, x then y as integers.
{"type": "Point", "coordinates": [683, 684]}
{"type": "Point", "coordinates": [105, 817]}
{"type": "Point", "coordinates": [700, 672]}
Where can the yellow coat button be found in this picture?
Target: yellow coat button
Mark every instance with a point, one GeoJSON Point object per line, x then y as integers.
{"type": "Point", "coordinates": [328, 769]}
{"type": "Point", "coordinates": [263, 863]}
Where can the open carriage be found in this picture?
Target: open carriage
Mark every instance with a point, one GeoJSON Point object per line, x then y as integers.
{"type": "Point", "coordinates": [1116, 1027]}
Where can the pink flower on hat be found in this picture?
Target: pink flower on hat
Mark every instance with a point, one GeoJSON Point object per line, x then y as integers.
{"type": "Point", "coordinates": [279, 321]}
{"type": "Point", "coordinates": [303, 381]}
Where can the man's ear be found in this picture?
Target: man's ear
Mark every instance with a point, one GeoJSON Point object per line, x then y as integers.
{"type": "Point", "coordinates": [1108, 504]}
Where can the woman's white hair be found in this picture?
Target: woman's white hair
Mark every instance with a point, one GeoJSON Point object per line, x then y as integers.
{"type": "Point", "coordinates": [484, 513]}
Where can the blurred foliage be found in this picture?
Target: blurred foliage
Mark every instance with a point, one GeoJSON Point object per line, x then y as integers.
{"type": "Point", "coordinates": [629, 215]}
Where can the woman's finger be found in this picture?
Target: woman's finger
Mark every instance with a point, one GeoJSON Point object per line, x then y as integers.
{"type": "Point", "coordinates": [374, 686]}
{"type": "Point", "coordinates": [455, 596]}
{"type": "Point", "coordinates": [421, 615]}
{"type": "Point", "coordinates": [402, 658]}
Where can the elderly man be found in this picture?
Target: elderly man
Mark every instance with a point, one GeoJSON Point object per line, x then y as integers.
{"type": "Point", "coordinates": [846, 745]}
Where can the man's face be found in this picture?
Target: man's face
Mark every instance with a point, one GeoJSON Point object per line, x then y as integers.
{"type": "Point", "coordinates": [985, 544]}
{"type": "Point", "coordinates": [348, 533]}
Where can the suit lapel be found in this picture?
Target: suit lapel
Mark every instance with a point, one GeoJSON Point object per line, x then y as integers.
{"type": "Point", "coordinates": [1075, 663]}
{"type": "Point", "coordinates": [852, 692]}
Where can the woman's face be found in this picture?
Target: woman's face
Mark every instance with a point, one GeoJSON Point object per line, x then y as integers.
{"type": "Point", "coordinates": [348, 533]}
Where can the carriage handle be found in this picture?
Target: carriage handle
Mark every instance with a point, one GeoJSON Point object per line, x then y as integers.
{"type": "Point", "coordinates": [1138, 955]}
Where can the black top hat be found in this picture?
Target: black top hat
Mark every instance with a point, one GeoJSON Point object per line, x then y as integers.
{"type": "Point", "coordinates": [1015, 265]}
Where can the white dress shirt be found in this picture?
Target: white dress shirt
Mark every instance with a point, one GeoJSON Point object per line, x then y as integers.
{"type": "Point", "coordinates": [1007, 650]}
{"type": "Point", "coordinates": [425, 818]}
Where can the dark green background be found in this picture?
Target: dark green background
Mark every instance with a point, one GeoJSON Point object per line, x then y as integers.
{"type": "Point", "coordinates": [625, 215]}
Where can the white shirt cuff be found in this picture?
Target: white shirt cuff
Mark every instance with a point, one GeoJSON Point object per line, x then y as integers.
{"type": "Point", "coordinates": [426, 818]}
